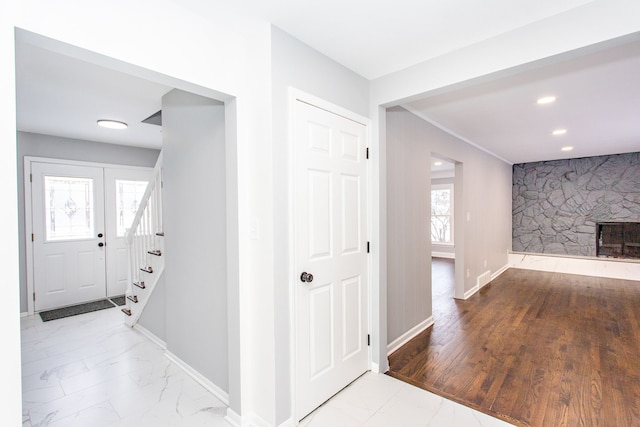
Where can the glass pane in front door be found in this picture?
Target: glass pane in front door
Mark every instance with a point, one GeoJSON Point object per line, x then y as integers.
{"type": "Point", "coordinates": [69, 208]}
{"type": "Point", "coordinates": [128, 196]}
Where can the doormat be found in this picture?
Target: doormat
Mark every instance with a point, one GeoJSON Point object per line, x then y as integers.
{"type": "Point", "coordinates": [88, 307]}
{"type": "Point", "coordinates": [118, 300]}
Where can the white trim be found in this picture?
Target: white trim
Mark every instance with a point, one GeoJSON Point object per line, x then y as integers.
{"type": "Point", "coordinates": [296, 95]}
{"type": "Point", "coordinates": [375, 368]}
{"type": "Point", "coordinates": [470, 292]}
{"type": "Point", "coordinates": [500, 271]}
{"type": "Point", "coordinates": [409, 335]}
{"type": "Point", "coordinates": [443, 255]}
{"type": "Point", "coordinates": [85, 163]}
{"type": "Point", "coordinates": [233, 418]}
{"type": "Point", "coordinates": [204, 382]}
{"type": "Point", "coordinates": [614, 269]}
{"type": "Point", "coordinates": [250, 420]}
{"type": "Point", "coordinates": [28, 213]}
{"type": "Point", "coordinates": [483, 279]}
{"type": "Point", "coordinates": [152, 337]}
{"type": "Point", "coordinates": [288, 423]}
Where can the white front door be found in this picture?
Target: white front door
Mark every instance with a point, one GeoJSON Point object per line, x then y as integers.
{"type": "Point", "coordinates": [68, 234]}
{"type": "Point", "coordinates": [331, 246]}
{"type": "Point", "coordinates": [123, 190]}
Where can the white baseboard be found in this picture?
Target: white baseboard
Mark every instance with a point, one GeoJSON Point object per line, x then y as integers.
{"type": "Point", "coordinates": [288, 423]}
{"type": "Point", "coordinates": [443, 255]}
{"type": "Point", "coordinates": [24, 314]}
{"type": "Point", "coordinates": [233, 418]}
{"type": "Point", "coordinates": [407, 336]}
{"type": "Point", "coordinates": [483, 279]}
{"type": "Point", "coordinates": [204, 382]}
{"type": "Point", "coordinates": [153, 337]}
{"type": "Point", "coordinates": [470, 292]}
{"type": "Point", "coordinates": [585, 266]}
{"type": "Point", "coordinates": [500, 271]}
{"type": "Point", "coordinates": [375, 368]}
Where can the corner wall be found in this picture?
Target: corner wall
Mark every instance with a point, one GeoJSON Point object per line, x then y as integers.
{"type": "Point", "coordinates": [485, 208]}
{"type": "Point", "coordinates": [194, 202]}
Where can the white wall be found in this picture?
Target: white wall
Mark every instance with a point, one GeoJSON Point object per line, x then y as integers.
{"type": "Point", "coordinates": [408, 230]}
{"type": "Point", "coordinates": [192, 46]}
{"type": "Point", "coordinates": [195, 242]}
{"type": "Point", "coordinates": [296, 65]}
{"type": "Point", "coordinates": [486, 199]}
{"type": "Point", "coordinates": [36, 145]}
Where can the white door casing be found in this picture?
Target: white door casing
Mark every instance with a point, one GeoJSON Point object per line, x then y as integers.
{"type": "Point", "coordinates": [114, 265]}
{"type": "Point", "coordinates": [68, 216]}
{"type": "Point", "coordinates": [331, 311]}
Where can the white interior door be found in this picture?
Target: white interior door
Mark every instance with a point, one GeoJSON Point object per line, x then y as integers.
{"type": "Point", "coordinates": [331, 246]}
{"type": "Point", "coordinates": [68, 230]}
{"type": "Point", "coordinates": [123, 189]}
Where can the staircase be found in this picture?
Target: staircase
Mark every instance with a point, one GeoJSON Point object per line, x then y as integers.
{"type": "Point", "coordinates": [145, 243]}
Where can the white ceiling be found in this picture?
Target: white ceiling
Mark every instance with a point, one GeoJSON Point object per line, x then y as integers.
{"type": "Point", "coordinates": [598, 103]}
{"type": "Point", "coordinates": [597, 93]}
{"type": "Point", "coordinates": [63, 96]}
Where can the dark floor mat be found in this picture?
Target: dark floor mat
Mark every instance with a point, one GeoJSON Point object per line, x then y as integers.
{"type": "Point", "coordinates": [59, 313]}
{"type": "Point", "coordinates": [118, 300]}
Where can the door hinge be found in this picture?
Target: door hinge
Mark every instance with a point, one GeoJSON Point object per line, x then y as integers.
{"type": "Point", "coordinates": [367, 152]}
{"type": "Point", "coordinates": [34, 296]}
{"type": "Point", "coordinates": [30, 177]}
{"type": "Point", "coordinates": [33, 237]}
{"type": "Point", "coordinates": [368, 340]}
{"type": "Point", "coordinates": [368, 247]}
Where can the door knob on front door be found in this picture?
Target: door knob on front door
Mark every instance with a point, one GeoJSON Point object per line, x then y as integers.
{"type": "Point", "coordinates": [306, 277]}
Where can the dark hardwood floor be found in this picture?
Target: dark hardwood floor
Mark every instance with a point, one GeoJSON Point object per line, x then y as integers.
{"type": "Point", "coordinates": [533, 348]}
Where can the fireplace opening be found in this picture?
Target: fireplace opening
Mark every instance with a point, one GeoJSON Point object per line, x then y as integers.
{"type": "Point", "coordinates": [618, 239]}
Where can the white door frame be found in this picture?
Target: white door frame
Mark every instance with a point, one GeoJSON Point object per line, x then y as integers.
{"type": "Point", "coordinates": [296, 95]}
{"type": "Point", "coordinates": [28, 211]}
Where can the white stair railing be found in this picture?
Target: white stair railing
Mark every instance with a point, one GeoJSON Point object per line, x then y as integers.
{"type": "Point", "coordinates": [145, 246]}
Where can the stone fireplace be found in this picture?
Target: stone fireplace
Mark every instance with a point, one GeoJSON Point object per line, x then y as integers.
{"type": "Point", "coordinates": [583, 207]}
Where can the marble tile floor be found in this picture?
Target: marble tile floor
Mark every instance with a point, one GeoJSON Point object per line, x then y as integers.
{"type": "Point", "coordinates": [93, 370]}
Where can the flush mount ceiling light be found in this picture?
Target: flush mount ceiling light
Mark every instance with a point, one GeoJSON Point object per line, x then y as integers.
{"type": "Point", "coordinates": [546, 100]}
{"type": "Point", "coordinates": [112, 124]}
{"type": "Point", "coordinates": [437, 164]}
{"type": "Point", "coordinates": [559, 132]}
{"type": "Point", "coordinates": [567, 148]}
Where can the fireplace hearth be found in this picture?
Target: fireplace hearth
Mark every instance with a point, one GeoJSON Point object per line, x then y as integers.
{"type": "Point", "coordinates": [618, 239]}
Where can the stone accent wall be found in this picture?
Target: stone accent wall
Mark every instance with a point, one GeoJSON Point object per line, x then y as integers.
{"type": "Point", "coordinates": [556, 204]}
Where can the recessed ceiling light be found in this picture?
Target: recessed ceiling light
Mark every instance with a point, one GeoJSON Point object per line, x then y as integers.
{"type": "Point", "coordinates": [559, 132]}
{"type": "Point", "coordinates": [567, 148]}
{"type": "Point", "coordinates": [437, 164]}
{"type": "Point", "coordinates": [112, 124]}
{"type": "Point", "coordinates": [546, 100]}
